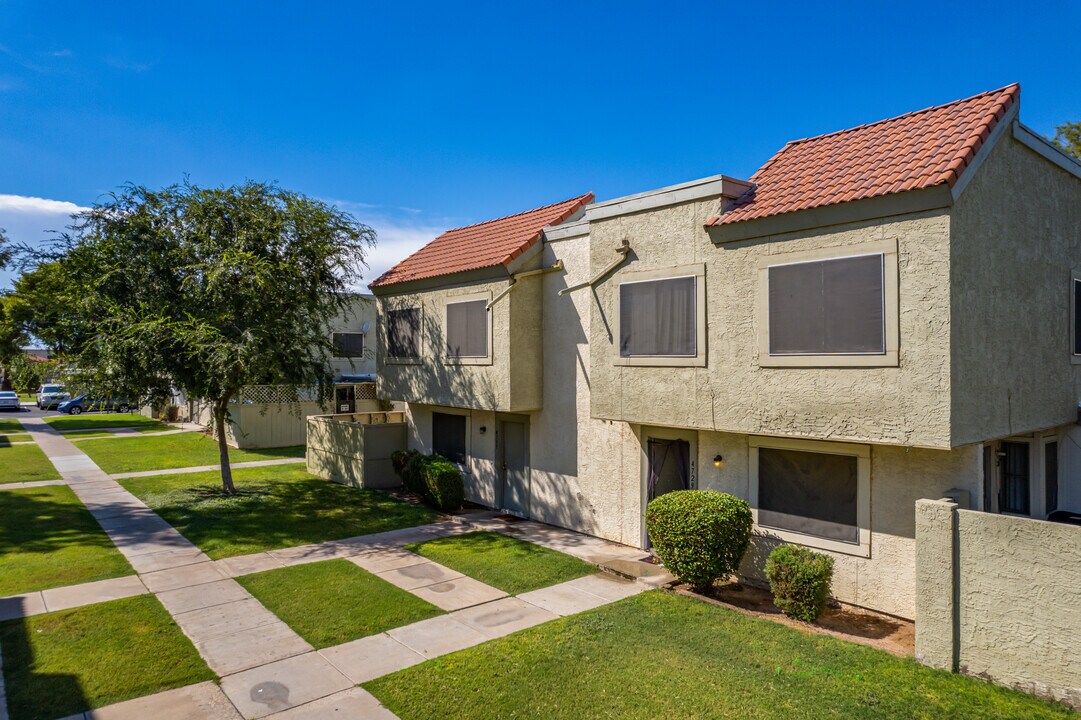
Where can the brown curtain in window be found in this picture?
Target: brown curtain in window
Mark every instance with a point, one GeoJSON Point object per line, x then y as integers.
{"type": "Point", "coordinates": [467, 329]}
{"type": "Point", "coordinates": [403, 333]}
{"type": "Point", "coordinates": [658, 318]}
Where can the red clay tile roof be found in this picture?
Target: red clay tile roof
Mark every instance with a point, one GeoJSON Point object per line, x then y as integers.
{"type": "Point", "coordinates": [486, 244]}
{"type": "Point", "coordinates": [910, 152]}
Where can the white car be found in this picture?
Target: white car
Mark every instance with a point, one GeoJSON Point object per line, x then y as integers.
{"type": "Point", "coordinates": [9, 400]}
{"type": "Point", "coordinates": [50, 396]}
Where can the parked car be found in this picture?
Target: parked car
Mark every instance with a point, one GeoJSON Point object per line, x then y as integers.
{"type": "Point", "coordinates": [9, 401]}
{"type": "Point", "coordinates": [50, 396]}
{"type": "Point", "coordinates": [85, 403]}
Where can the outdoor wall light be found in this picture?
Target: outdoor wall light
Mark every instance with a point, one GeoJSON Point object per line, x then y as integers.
{"type": "Point", "coordinates": [483, 429]}
{"type": "Point", "coordinates": [718, 461]}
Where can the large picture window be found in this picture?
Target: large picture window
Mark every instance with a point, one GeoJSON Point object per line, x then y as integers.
{"type": "Point", "coordinates": [448, 436]}
{"type": "Point", "coordinates": [812, 493]}
{"type": "Point", "coordinates": [835, 306]}
{"type": "Point", "coordinates": [403, 333]}
{"type": "Point", "coordinates": [467, 329]}
{"type": "Point", "coordinates": [348, 344]}
{"type": "Point", "coordinates": [662, 317]}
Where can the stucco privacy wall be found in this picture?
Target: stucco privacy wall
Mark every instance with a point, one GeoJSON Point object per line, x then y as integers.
{"type": "Point", "coordinates": [1010, 277]}
{"type": "Point", "coordinates": [997, 598]}
{"type": "Point", "coordinates": [905, 405]}
{"type": "Point", "coordinates": [508, 381]}
{"type": "Point", "coordinates": [353, 453]}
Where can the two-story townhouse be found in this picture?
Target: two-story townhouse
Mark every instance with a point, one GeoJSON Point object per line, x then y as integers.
{"type": "Point", "coordinates": [879, 315]}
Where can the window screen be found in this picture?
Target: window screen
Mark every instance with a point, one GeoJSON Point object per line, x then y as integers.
{"type": "Point", "coordinates": [403, 333]}
{"type": "Point", "coordinates": [467, 329]}
{"type": "Point", "coordinates": [348, 345]}
{"type": "Point", "coordinates": [448, 436]}
{"type": "Point", "coordinates": [808, 492]}
{"type": "Point", "coordinates": [1077, 317]}
{"type": "Point", "coordinates": [828, 307]}
{"type": "Point", "coordinates": [658, 318]}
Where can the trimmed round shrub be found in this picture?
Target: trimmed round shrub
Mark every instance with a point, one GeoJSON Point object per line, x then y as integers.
{"type": "Point", "coordinates": [700, 535]}
{"type": "Point", "coordinates": [413, 474]}
{"type": "Point", "coordinates": [399, 460]}
{"type": "Point", "coordinates": [443, 483]}
{"type": "Point", "coordinates": [800, 581]}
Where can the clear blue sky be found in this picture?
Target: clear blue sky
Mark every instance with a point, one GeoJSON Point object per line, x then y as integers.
{"type": "Point", "coordinates": [420, 117]}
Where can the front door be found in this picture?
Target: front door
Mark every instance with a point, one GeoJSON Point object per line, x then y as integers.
{"type": "Point", "coordinates": [345, 399]}
{"type": "Point", "coordinates": [514, 465]}
{"type": "Point", "coordinates": [1013, 494]}
{"type": "Point", "coordinates": [669, 466]}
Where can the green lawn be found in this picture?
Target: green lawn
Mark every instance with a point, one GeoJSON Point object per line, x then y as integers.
{"type": "Point", "coordinates": [277, 506]}
{"type": "Point", "coordinates": [61, 663]}
{"type": "Point", "coordinates": [514, 566]}
{"type": "Point", "coordinates": [25, 463]}
{"type": "Point", "coordinates": [164, 452]}
{"type": "Point", "coordinates": [87, 421]}
{"type": "Point", "coordinates": [661, 655]}
{"type": "Point", "coordinates": [49, 539]}
{"type": "Point", "coordinates": [334, 601]}
{"type": "Point", "coordinates": [9, 425]}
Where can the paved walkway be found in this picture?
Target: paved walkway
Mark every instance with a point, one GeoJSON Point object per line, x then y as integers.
{"type": "Point", "coordinates": [268, 670]}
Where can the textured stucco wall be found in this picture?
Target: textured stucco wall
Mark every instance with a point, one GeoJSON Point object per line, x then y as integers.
{"type": "Point", "coordinates": [1016, 233]}
{"type": "Point", "coordinates": [905, 405]}
{"type": "Point", "coordinates": [505, 384]}
{"type": "Point", "coordinates": [1016, 580]}
{"type": "Point", "coordinates": [354, 454]}
{"type": "Point", "coordinates": [362, 310]}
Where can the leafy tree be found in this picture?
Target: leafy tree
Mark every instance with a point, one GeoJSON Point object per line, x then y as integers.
{"type": "Point", "coordinates": [1068, 137]}
{"type": "Point", "coordinates": [210, 289]}
{"type": "Point", "coordinates": [40, 306]}
{"type": "Point", "coordinates": [26, 374]}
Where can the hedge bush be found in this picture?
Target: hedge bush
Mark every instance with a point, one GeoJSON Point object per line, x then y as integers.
{"type": "Point", "coordinates": [700, 535]}
{"type": "Point", "coordinates": [443, 483]}
{"type": "Point", "coordinates": [434, 477]}
{"type": "Point", "coordinates": [800, 581]}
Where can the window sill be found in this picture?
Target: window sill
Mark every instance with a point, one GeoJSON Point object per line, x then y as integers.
{"type": "Point", "coordinates": [887, 359]}
{"type": "Point", "coordinates": [1075, 359]}
{"type": "Point", "coordinates": [468, 361]}
{"type": "Point", "coordinates": [660, 361]}
{"type": "Point", "coordinates": [861, 549]}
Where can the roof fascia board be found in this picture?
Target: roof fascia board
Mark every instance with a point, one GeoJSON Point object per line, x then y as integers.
{"type": "Point", "coordinates": [567, 230]}
{"type": "Point", "coordinates": [904, 203]}
{"type": "Point", "coordinates": [466, 277]}
{"type": "Point", "coordinates": [714, 186]}
{"type": "Point", "coordinates": [527, 255]}
{"type": "Point", "coordinates": [1047, 149]}
{"type": "Point", "coordinates": [1004, 123]}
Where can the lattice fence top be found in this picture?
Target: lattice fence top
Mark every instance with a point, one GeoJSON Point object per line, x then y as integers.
{"type": "Point", "coordinates": [270, 394]}
{"type": "Point", "coordinates": [365, 391]}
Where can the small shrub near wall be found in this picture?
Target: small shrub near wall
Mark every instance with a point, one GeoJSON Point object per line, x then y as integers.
{"type": "Point", "coordinates": [700, 535]}
{"type": "Point", "coordinates": [800, 581]}
{"type": "Point", "coordinates": [435, 478]}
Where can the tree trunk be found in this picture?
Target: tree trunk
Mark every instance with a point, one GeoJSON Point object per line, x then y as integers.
{"type": "Point", "coordinates": [220, 412]}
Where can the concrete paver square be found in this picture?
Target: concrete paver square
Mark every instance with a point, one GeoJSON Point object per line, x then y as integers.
{"type": "Point", "coordinates": [411, 577]}
{"type": "Point", "coordinates": [248, 564]}
{"type": "Point", "coordinates": [209, 622]}
{"type": "Point", "coordinates": [438, 636]}
{"type": "Point", "coordinates": [180, 577]}
{"type": "Point", "coordinates": [305, 554]}
{"type": "Point", "coordinates": [503, 617]}
{"type": "Point", "coordinates": [371, 657]}
{"type": "Point", "coordinates": [458, 593]}
{"type": "Point", "coordinates": [18, 606]}
{"type": "Point", "coordinates": [62, 598]}
{"type": "Point", "coordinates": [207, 595]}
{"type": "Point", "coordinates": [239, 651]}
{"type": "Point", "coordinates": [168, 559]}
{"type": "Point", "coordinates": [563, 599]}
{"type": "Point", "coordinates": [284, 684]}
{"type": "Point", "coordinates": [354, 703]}
{"type": "Point", "coordinates": [204, 701]}
{"type": "Point", "coordinates": [607, 587]}
{"type": "Point", "coordinates": [390, 559]}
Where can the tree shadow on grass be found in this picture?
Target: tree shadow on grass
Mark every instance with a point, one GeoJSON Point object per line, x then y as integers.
{"type": "Point", "coordinates": [32, 695]}
{"type": "Point", "coordinates": [44, 520]}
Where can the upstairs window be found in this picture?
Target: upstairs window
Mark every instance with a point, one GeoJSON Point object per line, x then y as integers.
{"type": "Point", "coordinates": [348, 344]}
{"type": "Point", "coordinates": [403, 333]}
{"type": "Point", "coordinates": [467, 329]}
{"type": "Point", "coordinates": [830, 307]}
{"type": "Point", "coordinates": [662, 317]}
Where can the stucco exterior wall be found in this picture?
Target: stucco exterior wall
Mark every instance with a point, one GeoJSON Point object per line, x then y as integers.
{"type": "Point", "coordinates": [1016, 233]}
{"type": "Point", "coordinates": [510, 381]}
{"type": "Point", "coordinates": [352, 453]}
{"type": "Point", "coordinates": [361, 312]}
{"type": "Point", "coordinates": [1014, 616]}
{"type": "Point", "coordinates": [904, 405]}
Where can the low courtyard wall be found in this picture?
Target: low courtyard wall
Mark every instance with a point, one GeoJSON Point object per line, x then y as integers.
{"type": "Point", "coordinates": [999, 597]}
{"type": "Point", "coordinates": [355, 449]}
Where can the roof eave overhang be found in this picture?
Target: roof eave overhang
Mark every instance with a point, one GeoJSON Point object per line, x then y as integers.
{"type": "Point", "coordinates": [465, 277]}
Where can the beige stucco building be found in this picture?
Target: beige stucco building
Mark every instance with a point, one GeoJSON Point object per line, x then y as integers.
{"type": "Point", "coordinates": [878, 316]}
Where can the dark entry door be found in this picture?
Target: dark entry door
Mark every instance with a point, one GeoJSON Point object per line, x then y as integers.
{"type": "Point", "coordinates": [514, 465]}
{"type": "Point", "coordinates": [1014, 488]}
{"type": "Point", "coordinates": [345, 399]}
{"type": "Point", "coordinates": [668, 468]}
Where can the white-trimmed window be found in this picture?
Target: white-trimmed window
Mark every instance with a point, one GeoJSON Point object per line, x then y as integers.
{"type": "Point", "coordinates": [348, 344]}
{"type": "Point", "coordinates": [812, 493]}
{"type": "Point", "coordinates": [829, 307]}
{"type": "Point", "coordinates": [403, 333]}
{"type": "Point", "coordinates": [661, 317]}
{"type": "Point", "coordinates": [468, 329]}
